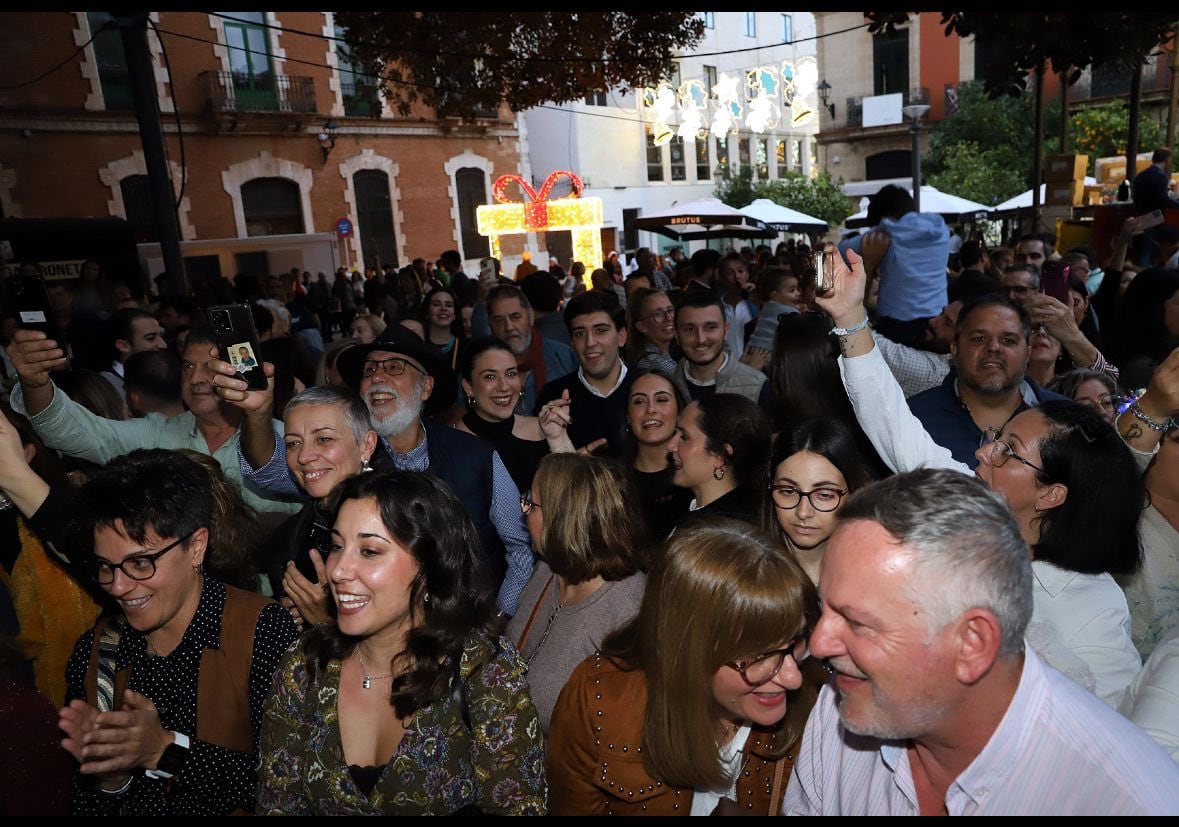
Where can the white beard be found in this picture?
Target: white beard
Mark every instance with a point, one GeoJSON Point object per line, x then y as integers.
{"type": "Point", "coordinates": [404, 415]}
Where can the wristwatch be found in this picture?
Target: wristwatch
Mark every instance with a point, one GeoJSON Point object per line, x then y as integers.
{"type": "Point", "coordinates": [173, 758]}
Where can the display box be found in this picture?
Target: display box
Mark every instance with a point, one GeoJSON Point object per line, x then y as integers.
{"type": "Point", "coordinates": [1065, 167]}
{"type": "Point", "coordinates": [1064, 193]}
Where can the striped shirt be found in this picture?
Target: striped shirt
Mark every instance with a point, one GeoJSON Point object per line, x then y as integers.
{"type": "Point", "coordinates": [1057, 751]}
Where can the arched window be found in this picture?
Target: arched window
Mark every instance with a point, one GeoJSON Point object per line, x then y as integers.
{"type": "Point", "coordinates": [272, 206]}
{"type": "Point", "coordinates": [471, 185]}
{"type": "Point", "coordinates": [378, 241]}
{"type": "Point", "coordinates": [137, 208]}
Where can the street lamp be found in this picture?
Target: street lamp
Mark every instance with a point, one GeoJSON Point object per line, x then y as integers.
{"type": "Point", "coordinates": [915, 112]}
{"type": "Point", "coordinates": [824, 90]}
{"type": "Point", "coordinates": [327, 138]}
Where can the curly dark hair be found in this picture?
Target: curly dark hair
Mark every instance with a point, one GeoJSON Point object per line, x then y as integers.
{"type": "Point", "coordinates": [425, 516]}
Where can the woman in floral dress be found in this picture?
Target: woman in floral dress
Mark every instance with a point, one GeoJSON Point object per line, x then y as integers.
{"type": "Point", "coordinates": [410, 703]}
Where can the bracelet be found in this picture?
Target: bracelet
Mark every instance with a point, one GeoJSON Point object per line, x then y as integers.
{"type": "Point", "coordinates": [1161, 427]}
{"type": "Point", "coordinates": [848, 331]}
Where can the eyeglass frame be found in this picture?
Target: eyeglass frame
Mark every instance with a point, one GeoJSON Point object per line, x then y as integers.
{"type": "Point", "coordinates": [842, 492]}
{"type": "Point", "coordinates": [665, 312]}
{"type": "Point", "coordinates": [1008, 453]}
{"type": "Point", "coordinates": [526, 503]}
{"type": "Point", "coordinates": [382, 364]}
{"type": "Point", "coordinates": [740, 666]}
{"type": "Point", "coordinates": [152, 558]}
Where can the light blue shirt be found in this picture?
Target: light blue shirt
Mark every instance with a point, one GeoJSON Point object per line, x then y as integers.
{"type": "Point", "coordinates": [913, 270]}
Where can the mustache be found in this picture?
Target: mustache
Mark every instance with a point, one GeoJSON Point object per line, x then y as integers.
{"type": "Point", "coordinates": [385, 389]}
{"type": "Point", "coordinates": [845, 667]}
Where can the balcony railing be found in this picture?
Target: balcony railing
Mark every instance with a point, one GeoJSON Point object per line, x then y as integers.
{"type": "Point", "coordinates": [241, 92]}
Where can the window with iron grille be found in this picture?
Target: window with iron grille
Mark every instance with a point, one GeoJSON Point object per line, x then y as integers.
{"type": "Point", "coordinates": [471, 185]}
{"type": "Point", "coordinates": [374, 208]}
{"type": "Point", "coordinates": [272, 206]}
{"type": "Point", "coordinates": [137, 208]}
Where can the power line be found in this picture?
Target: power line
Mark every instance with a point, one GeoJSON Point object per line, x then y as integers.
{"type": "Point", "coordinates": [107, 25]}
{"type": "Point", "coordinates": [535, 58]}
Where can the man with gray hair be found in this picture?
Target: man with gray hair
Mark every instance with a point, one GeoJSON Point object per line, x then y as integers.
{"type": "Point", "coordinates": [937, 706]}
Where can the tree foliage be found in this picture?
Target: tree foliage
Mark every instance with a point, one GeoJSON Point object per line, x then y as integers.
{"type": "Point", "coordinates": [1016, 43]}
{"type": "Point", "coordinates": [819, 197]}
{"type": "Point", "coordinates": [1102, 131]}
{"type": "Point", "coordinates": [458, 63]}
{"type": "Point", "coordinates": [981, 151]}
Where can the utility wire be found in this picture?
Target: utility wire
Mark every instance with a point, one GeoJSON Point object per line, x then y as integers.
{"type": "Point", "coordinates": [536, 58]}
{"type": "Point", "coordinates": [109, 24]}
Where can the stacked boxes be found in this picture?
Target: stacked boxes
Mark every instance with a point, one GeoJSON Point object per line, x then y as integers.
{"type": "Point", "coordinates": [1064, 180]}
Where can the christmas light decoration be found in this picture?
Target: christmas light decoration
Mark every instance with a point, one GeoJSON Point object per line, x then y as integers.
{"type": "Point", "coordinates": [761, 89]}
{"type": "Point", "coordinates": [727, 109]}
{"type": "Point", "coordinates": [581, 216]}
{"type": "Point", "coordinates": [661, 101]}
{"type": "Point", "coordinates": [693, 100]}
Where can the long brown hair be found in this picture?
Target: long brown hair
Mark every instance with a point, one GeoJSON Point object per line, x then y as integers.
{"type": "Point", "coordinates": [720, 591]}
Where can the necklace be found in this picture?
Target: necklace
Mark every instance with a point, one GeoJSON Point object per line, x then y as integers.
{"type": "Point", "coordinates": [368, 679]}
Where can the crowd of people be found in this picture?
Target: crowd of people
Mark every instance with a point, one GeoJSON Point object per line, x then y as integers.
{"type": "Point", "coordinates": [689, 535]}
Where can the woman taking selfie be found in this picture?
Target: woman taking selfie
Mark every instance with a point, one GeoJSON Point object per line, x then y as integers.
{"type": "Point", "coordinates": [703, 696]}
{"type": "Point", "coordinates": [719, 452]}
{"type": "Point", "coordinates": [652, 410]}
{"type": "Point", "coordinates": [410, 704]}
{"type": "Point", "coordinates": [587, 582]}
{"type": "Point", "coordinates": [813, 472]}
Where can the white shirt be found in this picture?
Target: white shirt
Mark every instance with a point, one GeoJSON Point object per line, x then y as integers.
{"type": "Point", "coordinates": [1057, 751]}
{"type": "Point", "coordinates": [705, 801]}
{"type": "Point", "coordinates": [1152, 701]}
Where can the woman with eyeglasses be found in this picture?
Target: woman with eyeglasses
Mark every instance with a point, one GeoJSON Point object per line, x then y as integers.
{"type": "Point", "coordinates": [812, 472]}
{"type": "Point", "coordinates": [650, 331]}
{"type": "Point", "coordinates": [164, 699]}
{"type": "Point", "coordinates": [1094, 389]}
{"type": "Point", "coordinates": [719, 452]}
{"type": "Point", "coordinates": [1069, 479]}
{"type": "Point", "coordinates": [701, 698]}
{"type": "Point", "coordinates": [587, 581]}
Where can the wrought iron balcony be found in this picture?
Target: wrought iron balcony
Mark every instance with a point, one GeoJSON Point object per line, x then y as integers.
{"type": "Point", "coordinates": [362, 98]}
{"type": "Point", "coordinates": [242, 92]}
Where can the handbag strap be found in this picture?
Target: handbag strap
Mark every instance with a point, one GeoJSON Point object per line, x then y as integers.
{"type": "Point", "coordinates": [532, 617]}
{"type": "Point", "coordinates": [776, 792]}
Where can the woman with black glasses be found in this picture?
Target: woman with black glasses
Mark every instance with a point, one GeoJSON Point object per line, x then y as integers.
{"type": "Point", "coordinates": [1074, 488]}
{"type": "Point", "coordinates": [650, 331]}
{"type": "Point", "coordinates": [703, 696]}
{"type": "Point", "coordinates": [813, 471]}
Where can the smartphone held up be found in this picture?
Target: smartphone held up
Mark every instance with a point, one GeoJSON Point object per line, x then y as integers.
{"type": "Point", "coordinates": [237, 341]}
{"type": "Point", "coordinates": [1054, 279]}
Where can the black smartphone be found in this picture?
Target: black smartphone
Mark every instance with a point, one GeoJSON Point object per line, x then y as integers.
{"type": "Point", "coordinates": [237, 340]}
{"type": "Point", "coordinates": [1054, 279]}
{"type": "Point", "coordinates": [28, 295]}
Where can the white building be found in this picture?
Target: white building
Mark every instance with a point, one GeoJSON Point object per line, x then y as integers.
{"type": "Point", "coordinates": [650, 149]}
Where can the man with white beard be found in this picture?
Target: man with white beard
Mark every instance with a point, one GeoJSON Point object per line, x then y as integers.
{"type": "Point", "coordinates": [395, 375]}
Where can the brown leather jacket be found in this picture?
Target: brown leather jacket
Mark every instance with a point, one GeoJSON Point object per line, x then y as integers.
{"type": "Point", "coordinates": [595, 753]}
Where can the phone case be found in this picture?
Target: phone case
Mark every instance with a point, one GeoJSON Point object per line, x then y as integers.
{"type": "Point", "coordinates": [233, 327]}
{"type": "Point", "coordinates": [1054, 280]}
{"type": "Point", "coordinates": [30, 298]}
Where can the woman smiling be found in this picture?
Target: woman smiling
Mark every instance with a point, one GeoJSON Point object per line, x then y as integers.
{"type": "Point", "coordinates": [409, 704]}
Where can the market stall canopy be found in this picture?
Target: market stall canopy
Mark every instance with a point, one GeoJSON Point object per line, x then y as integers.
{"type": "Point", "coordinates": [1024, 199]}
{"type": "Point", "coordinates": [704, 218]}
{"type": "Point", "coordinates": [950, 207]}
{"type": "Point", "coordinates": [783, 219]}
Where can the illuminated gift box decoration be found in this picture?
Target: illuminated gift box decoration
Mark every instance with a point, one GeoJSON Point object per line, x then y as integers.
{"type": "Point", "coordinates": [581, 216]}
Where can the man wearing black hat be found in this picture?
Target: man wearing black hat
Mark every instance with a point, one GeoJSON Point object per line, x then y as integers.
{"type": "Point", "coordinates": [396, 375]}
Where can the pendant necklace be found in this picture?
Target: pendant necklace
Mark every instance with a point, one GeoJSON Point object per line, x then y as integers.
{"type": "Point", "coordinates": [368, 680]}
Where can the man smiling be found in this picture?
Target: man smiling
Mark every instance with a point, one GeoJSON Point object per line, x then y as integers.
{"type": "Point", "coordinates": [701, 329]}
{"type": "Point", "coordinates": [938, 706]}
